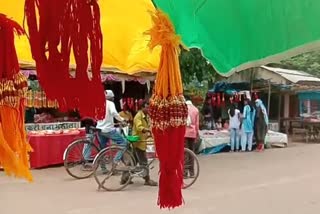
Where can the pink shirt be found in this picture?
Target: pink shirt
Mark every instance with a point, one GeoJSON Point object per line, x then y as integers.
{"type": "Point", "coordinates": [192, 130]}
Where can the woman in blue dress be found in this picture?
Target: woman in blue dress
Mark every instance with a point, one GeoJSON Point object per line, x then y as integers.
{"type": "Point", "coordinates": [247, 126]}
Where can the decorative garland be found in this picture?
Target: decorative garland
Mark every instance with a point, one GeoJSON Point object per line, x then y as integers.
{"type": "Point", "coordinates": [168, 112]}
{"type": "Point", "coordinates": [14, 147]}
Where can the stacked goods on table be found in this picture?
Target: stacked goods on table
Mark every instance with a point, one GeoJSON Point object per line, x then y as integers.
{"type": "Point", "coordinates": [73, 131]}
{"type": "Point", "coordinates": [38, 99]}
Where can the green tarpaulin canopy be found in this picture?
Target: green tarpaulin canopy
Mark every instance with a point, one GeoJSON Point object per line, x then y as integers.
{"type": "Point", "coordinates": [235, 35]}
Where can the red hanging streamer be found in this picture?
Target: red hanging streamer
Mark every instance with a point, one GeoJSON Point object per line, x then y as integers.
{"type": "Point", "coordinates": [65, 26]}
{"type": "Point", "coordinates": [168, 112]}
{"type": "Point", "coordinates": [219, 100]}
{"type": "Point", "coordinates": [170, 148]}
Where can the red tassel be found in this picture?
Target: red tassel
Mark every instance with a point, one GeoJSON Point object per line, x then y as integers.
{"type": "Point", "coordinates": [63, 25]}
{"type": "Point", "coordinates": [213, 100]}
{"type": "Point", "coordinates": [218, 100]}
{"type": "Point", "coordinates": [171, 168]}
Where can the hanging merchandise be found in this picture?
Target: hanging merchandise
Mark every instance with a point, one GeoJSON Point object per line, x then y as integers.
{"type": "Point", "coordinates": [168, 112]}
{"type": "Point", "coordinates": [218, 100]}
{"type": "Point", "coordinates": [140, 102]}
{"type": "Point", "coordinates": [213, 100]}
{"type": "Point", "coordinates": [231, 100]}
{"type": "Point", "coordinates": [236, 98]}
{"type": "Point", "coordinates": [57, 28]}
{"type": "Point", "coordinates": [223, 102]}
{"type": "Point", "coordinates": [136, 106]}
{"type": "Point", "coordinates": [37, 99]}
{"type": "Point", "coordinates": [14, 147]}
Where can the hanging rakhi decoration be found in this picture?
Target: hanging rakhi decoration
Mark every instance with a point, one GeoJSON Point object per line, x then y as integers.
{"type": "Point", "coordinates": [214, 100]}
{"type": "Point", "coordinates": [223, 102]}
{"type": "Point", "coordinates": [231, 99]}
{"type": "Point", "coordinates": [219, 100]}
{"type": "Point", "coordinates": [168, 112]}
{"type": "Point", "coordinates": [57, 28]}
{"type": "Point", "coordinates": [14, 147]}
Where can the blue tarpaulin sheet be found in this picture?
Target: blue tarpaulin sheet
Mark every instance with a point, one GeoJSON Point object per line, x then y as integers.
{"type": "Point", "coordinates": [230, 88]}
{"type": "Point", "coordinates": [309, 95]}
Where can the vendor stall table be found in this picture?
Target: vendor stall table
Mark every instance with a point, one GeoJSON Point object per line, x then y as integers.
{"type": "Point", "coordinates": [213, 141]}
{"type": "Point", "coordinates": [49, 149]}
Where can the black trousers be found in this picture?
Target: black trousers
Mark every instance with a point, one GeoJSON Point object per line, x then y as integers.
{"type": "Point", "coordinates": [188, 160]}
{"type": "Point", "coordinates": [140, 157]}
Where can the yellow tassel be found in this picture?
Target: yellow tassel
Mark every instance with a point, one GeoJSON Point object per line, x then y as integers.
{"type": "Point", "coordinates": [162, 33]}
{"type": "Point", "coordinates": [14, 147]}
{"type": "Point", "coordinates": [167, 104]}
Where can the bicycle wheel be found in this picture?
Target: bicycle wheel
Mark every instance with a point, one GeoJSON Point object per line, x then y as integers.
{"type": "Point", "coordinates": [78, 158]}
{"type": "Point", "coordinates": [112, 168]}
{"type": "Point", "coordinates": [191, 168]}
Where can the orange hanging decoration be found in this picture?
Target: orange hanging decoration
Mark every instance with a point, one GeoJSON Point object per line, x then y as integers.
{"type": "Point", "coordinates": [14, 147]}
{"type": "Point", "coordinates": [168, 112]}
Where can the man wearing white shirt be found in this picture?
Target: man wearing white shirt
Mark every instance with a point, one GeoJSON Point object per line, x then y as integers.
{"type": "Point", "coordinates": [108, 131]}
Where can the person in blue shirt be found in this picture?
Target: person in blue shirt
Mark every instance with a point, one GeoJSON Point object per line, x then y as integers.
{"type": "Point", "coordinates": [247, 125]}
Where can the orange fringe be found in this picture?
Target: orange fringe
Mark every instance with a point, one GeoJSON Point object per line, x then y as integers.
{"type": "Point", "coordinates": [167, 104]}
{"type": "Point", "coordinates": [14, 147]}
{"type": "Point", "coordinates": [168, 81]}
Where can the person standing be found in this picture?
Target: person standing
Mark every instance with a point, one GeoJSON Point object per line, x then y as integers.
{"type": "Point", "coordinates": [234, 127]}
{"type": "Point", "coordinates": [141, 129]}
{"type": "Point", "coordinates": [192, 133]}
{"type": "Point", "coordinates": [261, 124]}
{"type": "Point", "coordinates": [207, 112]}
{"type": "Point", "coordinates": [247, 126]}
{"type": "Point", "coordinates": [126, 114]}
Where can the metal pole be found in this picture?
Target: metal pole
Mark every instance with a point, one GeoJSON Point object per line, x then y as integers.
{"type": "Point", "coordinates": [269, 96]}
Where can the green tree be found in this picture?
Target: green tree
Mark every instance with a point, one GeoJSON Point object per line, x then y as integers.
{"type": "Point", "coordinates": [308, 62]}
{"type": "Point", "coordinates": [195, 67]}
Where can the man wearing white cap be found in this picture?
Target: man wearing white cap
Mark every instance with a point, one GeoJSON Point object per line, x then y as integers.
{"type": "Point", "coordinates": [108, 131]}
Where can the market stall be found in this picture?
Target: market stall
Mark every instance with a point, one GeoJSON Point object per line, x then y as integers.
{"type": "Point", "coordinates": [49, 145]}
{"type": "Point", "coordinates": [219, 99]}
{"type": "Point", "coordinates": [214, 141]}
{"type": "Point", "coordinates": [49, 131]}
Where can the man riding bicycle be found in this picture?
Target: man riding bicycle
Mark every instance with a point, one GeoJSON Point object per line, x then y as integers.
{"type": "Point", "coordinates": [108, 131]}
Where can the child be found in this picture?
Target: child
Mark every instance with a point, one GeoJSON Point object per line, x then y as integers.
{"type": "Point", "coordinates": [234, 127]}
{"type": "Point", "coordinates": [218, 124]}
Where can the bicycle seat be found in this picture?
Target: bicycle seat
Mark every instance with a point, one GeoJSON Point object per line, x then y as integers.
{"type": "Point", "coordinates": [133, 139]}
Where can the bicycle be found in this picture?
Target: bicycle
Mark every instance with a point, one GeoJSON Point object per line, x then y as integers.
{"type": "Point", "coordinates": [79, 155]}
{"type": "Point", "coordinates": [121, 161]}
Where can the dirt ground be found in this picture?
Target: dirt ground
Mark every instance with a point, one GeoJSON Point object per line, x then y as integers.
{"type": "Point", "coordinates": [282, 181]}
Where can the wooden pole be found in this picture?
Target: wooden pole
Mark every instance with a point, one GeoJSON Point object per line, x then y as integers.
{"type": "Point", "coordinates": [269, 97]}
{"type": "Point", "coordinates": [279, 111]}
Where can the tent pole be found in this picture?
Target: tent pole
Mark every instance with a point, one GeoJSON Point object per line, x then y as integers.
{"type": "Point", "coordinates": [279, 111]}
{"type": "Point", "coordinates": [269, 96]}
{"type": "Point", "coordinates": [251, 79]}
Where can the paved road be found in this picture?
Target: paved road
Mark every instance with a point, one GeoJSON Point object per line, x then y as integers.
{"type": "Point", "coordinates": [276, 181]}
